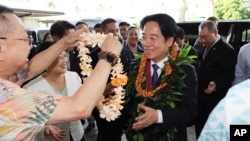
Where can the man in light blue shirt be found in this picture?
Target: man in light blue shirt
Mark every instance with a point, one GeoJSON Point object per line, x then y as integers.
{"type": "Point", "coordinates": [242, 69]}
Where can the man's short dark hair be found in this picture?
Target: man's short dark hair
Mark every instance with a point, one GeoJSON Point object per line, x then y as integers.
{"type": "Point", "coordinates": [107, 21]}
{"type": "Point", "coordinates": [81, 22]}
{"type": "Point", "coordinates": [98, 25]}
{"type": "Point", "coordinates": [166, 23]}
{"type": "Point", "coordinates": [180, 32]}
{"type": "Point", "coordinates": [124, 24]}
{"type": "Point", "coordinates": [59, 27]}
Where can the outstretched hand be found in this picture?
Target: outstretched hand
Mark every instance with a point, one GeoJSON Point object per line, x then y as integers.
{"type": "Point", "coordinates": [148, 118]}
{"type": "Point", "coordinates": [53, 131]}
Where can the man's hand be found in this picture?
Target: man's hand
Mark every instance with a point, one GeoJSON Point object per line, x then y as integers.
{"type": "Point", "coordinates": [210, 88]}
{"type": "Point", "coordinates": [53, 131]}
{"type": "Point", "coordinates": [148, 118]}
{"type": "Point", "coordinates": [109, 89]}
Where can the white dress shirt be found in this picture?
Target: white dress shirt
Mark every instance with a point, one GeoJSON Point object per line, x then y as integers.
{"type": "Point", "coordinates": [161, 65]}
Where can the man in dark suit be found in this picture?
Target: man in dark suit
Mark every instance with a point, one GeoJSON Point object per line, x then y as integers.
{"type": "Point", "coordinates": [216, 71]}
{"type": "Point", "coordinates": [113, 130]}
{"type": "Point", "coordinates": [164, 110]}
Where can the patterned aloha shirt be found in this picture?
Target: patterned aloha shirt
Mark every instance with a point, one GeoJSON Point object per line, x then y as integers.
{"type": "Point", "coordinates": [23, 113]}
{"type": "Point", "coordinates": [234, 109]}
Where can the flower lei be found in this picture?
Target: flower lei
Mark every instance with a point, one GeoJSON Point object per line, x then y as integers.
{"type": "Point", "coordinates": [165, 96]}
{"type": "Point", "coordinates": [149, 92]}
{"type": "Point", "coordinates": [109, 107]}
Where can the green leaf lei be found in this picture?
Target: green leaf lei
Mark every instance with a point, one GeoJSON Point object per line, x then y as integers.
{"type": "Point", "coordinates": [166, 98]}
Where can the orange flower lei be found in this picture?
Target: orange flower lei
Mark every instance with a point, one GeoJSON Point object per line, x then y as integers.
{"type": "Point", "coordinates": [141, 71]}
{"type": "Point", "coordinates": [109, 107]}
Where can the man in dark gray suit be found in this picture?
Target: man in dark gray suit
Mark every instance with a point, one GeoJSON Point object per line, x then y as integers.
{"type": "Point", "coordinates": [216, 71]}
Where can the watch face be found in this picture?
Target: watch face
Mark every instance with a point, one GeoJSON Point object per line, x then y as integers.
{"type": "Point", "coordinates": [110, 59]}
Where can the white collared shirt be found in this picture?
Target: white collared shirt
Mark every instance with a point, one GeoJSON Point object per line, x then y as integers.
{"type": "Point", "coordinates": [161, 65]}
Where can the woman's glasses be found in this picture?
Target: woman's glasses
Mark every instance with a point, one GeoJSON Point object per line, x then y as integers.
{"type": "Point", "coordinates": [64, 57]}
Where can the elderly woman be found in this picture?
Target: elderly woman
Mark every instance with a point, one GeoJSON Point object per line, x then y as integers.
{"type": "Point", "coordinates": [24, 113]}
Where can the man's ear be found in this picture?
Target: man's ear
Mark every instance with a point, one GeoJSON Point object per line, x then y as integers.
{"type": "Point", "coordinates": [170, 41]}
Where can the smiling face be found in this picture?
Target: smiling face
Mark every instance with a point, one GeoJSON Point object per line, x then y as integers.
{"type": "Point", "coordinates": [59, 66]}
{"type": "Point", "coordinates": [133, 36]}
{"type": "Point", "coordinates": [154, 44]}
{"type": "Point", "coordinates": [111, 28]}
{"type": "Point", "coordinates": [15, 48]}
{"type": "Point", "coordinates": [123, 31]}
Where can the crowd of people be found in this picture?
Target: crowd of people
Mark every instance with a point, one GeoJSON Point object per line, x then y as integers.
{"type": "Point", "coordinates": [171, 85]}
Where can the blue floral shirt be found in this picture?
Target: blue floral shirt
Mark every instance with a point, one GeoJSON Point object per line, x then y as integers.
{"type": "Point", "coordinates": [234, 109]}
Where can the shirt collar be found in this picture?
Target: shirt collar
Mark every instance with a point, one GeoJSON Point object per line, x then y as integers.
{"type": "Point", "coordinates": [161, 63]}
{"type": "Point", "coordinates": [217, 39]}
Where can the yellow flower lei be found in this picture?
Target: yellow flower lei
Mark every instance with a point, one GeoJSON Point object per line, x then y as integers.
{"type": "Point", "coordinates": [109, 107]}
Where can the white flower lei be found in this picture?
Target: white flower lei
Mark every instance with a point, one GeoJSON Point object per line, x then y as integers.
{"type": "Point", "coordinates": [109, 107]}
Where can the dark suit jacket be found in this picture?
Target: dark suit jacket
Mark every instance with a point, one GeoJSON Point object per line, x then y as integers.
{"type": "Point", "coordinates": [185, 111]}
{"type": "Point", "coordinates": [113, 130]}
{"type": "Point", "coordinates": [74, 61]}
{"type": "Point", "coordinates": [218, 66]}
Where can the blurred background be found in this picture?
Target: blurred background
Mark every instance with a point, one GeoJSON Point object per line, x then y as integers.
{"type": "Point", "coordinates": [42, 13]}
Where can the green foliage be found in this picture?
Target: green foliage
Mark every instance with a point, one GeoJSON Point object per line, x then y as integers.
{"type": "Point", "coordinates": [138, 137]}
{"type": "Point", "coordinates": [52, 5]}
{"type": "Point", "coordinates": [232, 9]}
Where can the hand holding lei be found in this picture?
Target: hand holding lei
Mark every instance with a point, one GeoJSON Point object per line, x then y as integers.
{"type": "Point", "coordinates": [109, 107]}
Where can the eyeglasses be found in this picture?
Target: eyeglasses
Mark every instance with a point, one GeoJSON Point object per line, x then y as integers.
{"type": "Point", "coordinates": [20, 39]}
{"type": "Point", "coordinates": [63, 57]}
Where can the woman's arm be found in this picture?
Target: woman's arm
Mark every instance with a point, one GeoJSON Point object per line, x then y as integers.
{"type": "Point", "coordinates": [81, 104]}
{"type": "Point", "coordinates": [41, 61]}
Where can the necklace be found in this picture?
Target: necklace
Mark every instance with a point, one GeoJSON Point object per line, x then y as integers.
{"type": "Point", "coordinates": [145, 65]}
{"type": "Point", "coordinates": [109, 107]}
{"type": "Point", "coordinates": [140, 90]}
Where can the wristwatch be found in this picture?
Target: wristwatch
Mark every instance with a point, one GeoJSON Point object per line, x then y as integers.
{"type": "Point", "coordinates": [109, 58]}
